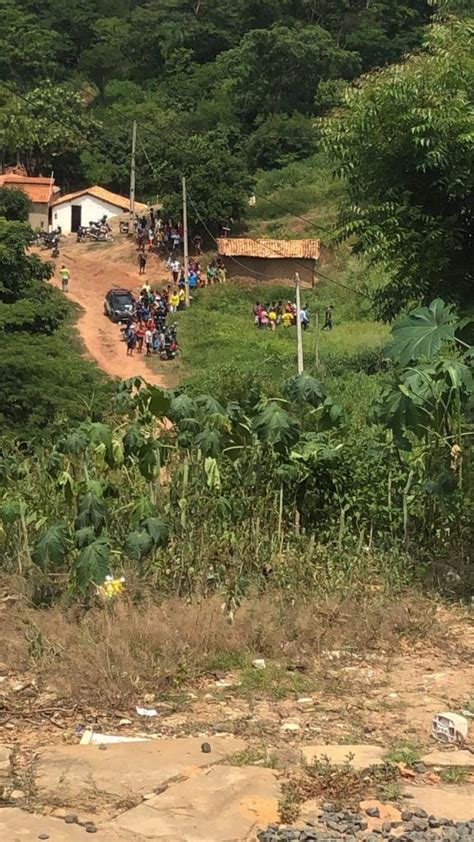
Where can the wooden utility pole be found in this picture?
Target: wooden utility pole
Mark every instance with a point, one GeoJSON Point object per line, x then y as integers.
{"type": "Point", "coordinates": [185, 246]}
{"type": "Point", "coordinates": [299, 333]}
{"type": "Point", "coordinates": [316, 344]}
{"type": "Point", "coordinates": [131, 217]}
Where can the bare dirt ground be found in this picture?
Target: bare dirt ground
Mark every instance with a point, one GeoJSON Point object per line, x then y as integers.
{"type": "Point", "coordinates": [95, 268]}
{"type": "Point", "coordinates": [267, 722]}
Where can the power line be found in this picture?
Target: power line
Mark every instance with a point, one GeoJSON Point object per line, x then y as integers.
{"type": "Point", "coordinates": [280, 254]}
{"type": "Point", "coordinates": [291, 213]}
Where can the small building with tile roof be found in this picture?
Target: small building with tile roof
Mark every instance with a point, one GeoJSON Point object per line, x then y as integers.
{"type": "Point", "coordinates": [39, 189]}
{"type": "Point", "coordinates": [88, 205]}
{"type": "Point", "coordinates": [267, 259]}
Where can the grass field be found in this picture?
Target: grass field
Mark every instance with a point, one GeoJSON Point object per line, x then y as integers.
{"type": "Point", "coordinates": [218, 337]}
{"type": "Point", "coordinates": [219, 341]}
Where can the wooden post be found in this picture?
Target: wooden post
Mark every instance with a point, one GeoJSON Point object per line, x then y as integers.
{"type": "Point", "coordinates": [299, 333]}
{"type": "Point", "coordinates": [185, 246]}
{"type": "Point", "coordinates": [131, 217]}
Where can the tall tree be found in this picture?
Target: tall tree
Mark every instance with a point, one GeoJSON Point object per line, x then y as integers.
{"type": "Point", "coordinates": [404, 143]}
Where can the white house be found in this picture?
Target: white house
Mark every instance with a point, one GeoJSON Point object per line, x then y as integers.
{"type": "Point", "coordinates": [88, 205]}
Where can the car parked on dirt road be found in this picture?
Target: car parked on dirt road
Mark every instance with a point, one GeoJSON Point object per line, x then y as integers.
{"type": "Point", "coordinates": [119, 304]}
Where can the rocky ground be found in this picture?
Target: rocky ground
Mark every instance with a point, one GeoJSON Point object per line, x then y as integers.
{"type": "Point", "coordinates": [338, 749]}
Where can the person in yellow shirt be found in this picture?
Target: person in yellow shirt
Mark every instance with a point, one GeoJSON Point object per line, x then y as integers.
{"type": "Point", "coordinates": [182, 299]}
{"type": "Point", "coordinates": [65, 275]}
{"type": "Point", "coordinates": [272, 318]}
{"type": "Point", "coordinates": [174, 301]}
{"type": "Point", "coordinates": [287, 319]}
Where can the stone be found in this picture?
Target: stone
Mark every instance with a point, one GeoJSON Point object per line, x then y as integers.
{"type": "Point", "coordinates": [360, 756]}
{"type": "Point", "coordinates": [71, 818]}
{"type": "Point", "coordinates": [290, 726]}
{"type": "Point", "coordinates": [406, 816]}
{"type": "Point", "coordinates": [456, 802]}
{"type": "Point", "coordinates": [206, 748]}
{"type": "Point", "coordinates": [17, 825]}
{"type": "Point", "coordinates": [386, 813]}
{"type": "Point", "coordinates": [450, 757]}
{"type": "Point", "coordinates": [220, 803]}
{"type": "Point", "coordinates": [328, 807]}
{"type": "Point", "coordinates": [4, 762]}
{"type": "Point", "coordinates": [373, 812]}
{"type": "Point", "coordinates": [17, 795]}
{"type": "Point", "coordinates": [74, 774]}
{"type": "Point", "coordinates": [420, 813]}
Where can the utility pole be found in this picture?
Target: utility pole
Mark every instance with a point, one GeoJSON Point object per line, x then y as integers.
{"type": "Point", "coordinates": [131, 217]}
{"type": "Point", "coordinates": [187, 299]}
{"type": "Point", "coordinates": [299, 333]}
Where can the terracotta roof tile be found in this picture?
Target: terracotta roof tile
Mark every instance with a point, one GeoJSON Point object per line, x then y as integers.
{"type": "Point", "coordinates": [100, 193]}
{"type": "Point", "coordinates": [245, 247]}
{"type": "Point", "coordinates": [37, 188]}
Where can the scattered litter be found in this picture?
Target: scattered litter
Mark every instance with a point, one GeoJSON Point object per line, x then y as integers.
{"type": "Point", "coordinates": [259, 663]}
{"type": "Point", "coordinates": [146, 711]}
{"type": "Point", "coordinates": [206, 748]}
{"type": "Point", "coordinates": [449, 728]}
{"type": "Point", "coordinates": [125, 722]}
{"type": "Point", "coordinates": [90, 738]}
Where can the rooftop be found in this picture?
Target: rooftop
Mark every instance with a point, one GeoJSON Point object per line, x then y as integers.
{"type": "Point", "coordinates": [246, 247]}
{"type": "Point", "coordinates": [100, 193]}
{"type": "Point", "coordinates": [37, 188]}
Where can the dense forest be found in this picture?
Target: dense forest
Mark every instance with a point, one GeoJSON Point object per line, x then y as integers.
{"type": "Point", "coordinates": [360, 467]}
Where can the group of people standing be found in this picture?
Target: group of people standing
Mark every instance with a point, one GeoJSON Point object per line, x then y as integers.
{"type": "Point", "coordinates": [278, 313]}
{"type": "Point", "coordinates": [165, 237]}
{"type": "Point", "coordinates": [146, 329]}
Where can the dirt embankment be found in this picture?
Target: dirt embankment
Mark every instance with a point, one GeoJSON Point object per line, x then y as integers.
{"type": "Point", "coordinates": [95, 268]}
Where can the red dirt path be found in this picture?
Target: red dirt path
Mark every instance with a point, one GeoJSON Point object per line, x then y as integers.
{"type": "Point", "coordinates": [95, 268]}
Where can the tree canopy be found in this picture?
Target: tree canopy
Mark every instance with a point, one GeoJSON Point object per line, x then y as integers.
{"type": "Point", "coordinates": [404, 143]}
{"type": "Point", "coordinates": [189, 73]}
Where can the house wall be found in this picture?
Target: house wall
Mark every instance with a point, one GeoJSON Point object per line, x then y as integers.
{"type": "Point", "coordinates": [92, 210]}
{"type": "Point", "coordinates": [38, 216]}
{"type": "Point", "coordinates": [269, 268]}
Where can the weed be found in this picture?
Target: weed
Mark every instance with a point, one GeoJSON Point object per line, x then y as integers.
{"type": "Point", "coordinates": [253, 756]}
{"type": "Point", "coordinates": [342, 785]}
{"type": "Point", "coordinates": [454, 775]}
{"type": "Point", "coordinates": [392, 791]}
{"type": "Point", "coordinates": [275, 682]}
{"type": "Point", "coordinates": [406, 752]}
{"type": "Point", "coordinates": [117, 656]}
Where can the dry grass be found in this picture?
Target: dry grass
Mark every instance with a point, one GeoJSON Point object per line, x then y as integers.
{"type": "Point", "coordinates": [112, 655]}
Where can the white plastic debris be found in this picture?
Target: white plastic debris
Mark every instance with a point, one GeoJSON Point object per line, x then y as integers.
{"type": "Point", "coordinates": [91, 738]}
{"type": "Point", "coordinates": [259, 663]}
{"type": "Point", "coordinates": [146, 711]}
{"type": "Point", "coordinates": [449, 728]}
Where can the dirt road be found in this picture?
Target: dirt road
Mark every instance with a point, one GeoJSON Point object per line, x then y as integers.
{"type": "Point", "coordinates": [95, 268]}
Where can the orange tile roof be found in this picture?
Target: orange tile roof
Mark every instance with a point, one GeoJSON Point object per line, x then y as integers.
{"type": "Point", "coordinates": [37, 188]}
{"type": "Point", "coordinates": [245, 247]}
{"type": "Point", "coordinates": [100, 193]}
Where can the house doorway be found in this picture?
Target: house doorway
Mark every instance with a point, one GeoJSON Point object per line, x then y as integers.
{"type": "Point", "coordinates": [76, 211]}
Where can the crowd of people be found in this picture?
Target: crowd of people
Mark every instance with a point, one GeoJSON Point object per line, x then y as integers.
{"type": "Point", "coordinates": [271, 315]}
{"type": "Point", "coordinates": [146, 330]}
{"type": "Point", "coordinates": [215, 272]}
{"type": "Point", "coordinates": [164, 237]}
